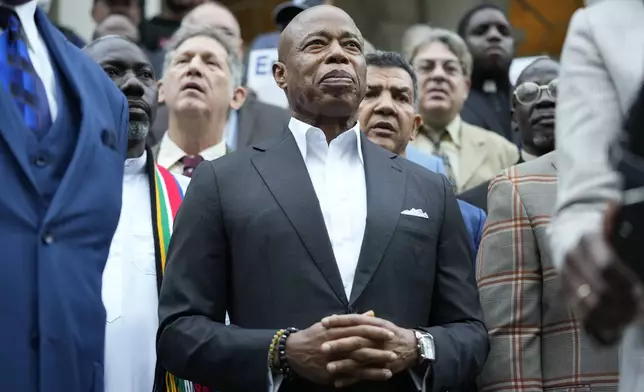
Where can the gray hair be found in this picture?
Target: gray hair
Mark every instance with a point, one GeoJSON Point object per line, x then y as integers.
{"type": "Point", "coordinates": [453, 42]}
{"type": "Point", "coordinates": [412, 36]}
{"type": "Point", "coordinates": [187, 31]}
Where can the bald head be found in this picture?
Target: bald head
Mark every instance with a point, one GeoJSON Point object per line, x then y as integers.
{"type": "Point", "coordinates": [117, 24]}
{"type": "Point", "coordinates": [216, 15]}
{"type": "Point", "coordinates": [540, 66]}
{"type": "Point", "coordinates": [130, 70]}
{"type": "Point", "coordinates": [321, 64]}
{"type": "Point", "coordinates": [95, 47]}
{"type": "Point", "coordinates": [305, 23]}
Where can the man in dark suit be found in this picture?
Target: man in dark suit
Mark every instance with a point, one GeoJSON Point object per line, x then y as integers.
{"type": "Point", "coordinates": [63, 141]}
{"type": "Point", "coordinates": [314, 223]}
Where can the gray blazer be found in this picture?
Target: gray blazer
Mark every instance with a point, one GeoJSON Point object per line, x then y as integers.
{"type": "Point", "coordinates": [602, 70]}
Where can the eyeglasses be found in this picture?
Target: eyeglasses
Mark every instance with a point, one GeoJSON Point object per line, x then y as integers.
{"type": "Point", "coordinates": [529, 92]}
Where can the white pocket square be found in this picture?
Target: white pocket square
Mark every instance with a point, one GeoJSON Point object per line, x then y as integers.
{"type": "Point", "coordinates": [415, 212]}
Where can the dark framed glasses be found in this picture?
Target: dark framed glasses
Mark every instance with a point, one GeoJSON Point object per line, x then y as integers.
{"type": "Point", "coordinates": [529, 92]}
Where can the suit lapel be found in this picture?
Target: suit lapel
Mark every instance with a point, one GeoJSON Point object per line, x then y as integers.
{"type": "Point", "coordinates": [14, 132]}
{"type": "Point", "coordinates": [56, 45]}
{"type": "Point", "coordinates": [472, 155]}
{"type": "Point", "coordinates": [385, 179]}
{"type": "Point", "coordinates": [283, 170]}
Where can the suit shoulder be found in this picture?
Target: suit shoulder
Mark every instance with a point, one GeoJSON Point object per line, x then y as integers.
{"type": "Point", "coordinates": [417, 170]}
{"type": "Point", "coordinates": [233, 161]}
{"type": "Point", "coordinates": [488, 135]}
{"type": "Point", "coordinates": [544, 165]}
{"type": "Point", "coordinates": [97, 86]}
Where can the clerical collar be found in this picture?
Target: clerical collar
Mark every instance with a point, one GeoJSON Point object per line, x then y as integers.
{"type": "Point", "coordinates": [136, 165]}
{"type": "Point", "coordinates": [490, 87]}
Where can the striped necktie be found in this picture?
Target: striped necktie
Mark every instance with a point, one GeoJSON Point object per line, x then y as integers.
{"type": "Point", "coordinates": [19, 76]}
{"type": "Point", "coordinates": [438, 151]}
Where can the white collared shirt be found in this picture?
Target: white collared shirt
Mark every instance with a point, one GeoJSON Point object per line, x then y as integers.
{"type": "Point", "coordinates": [336, 170]}
{"type": "Point", "coordinates": [130, 288]}
{"type": "Point", "coordinates": [337, 173]}
{"type": "Point", "coordinates": [170, 155]}
{"type": "Point", "coordinates": [38, 52]}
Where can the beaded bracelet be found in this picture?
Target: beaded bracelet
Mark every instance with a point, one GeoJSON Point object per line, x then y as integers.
{"type": "Point", "coordinates": [281, 336]}
{"type": "Point", "coordinates": [273, 346]}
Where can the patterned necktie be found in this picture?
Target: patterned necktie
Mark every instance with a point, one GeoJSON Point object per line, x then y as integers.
{"type": "Point", "coordinates": [19, 76]}
{"type": "Point", "coordinates": [448, 166]}
{"type": "Point", "coordinates": [190, 163]}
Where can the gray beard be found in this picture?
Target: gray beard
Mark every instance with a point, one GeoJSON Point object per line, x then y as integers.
{"type": "Point", "coordinates": [138, 130]}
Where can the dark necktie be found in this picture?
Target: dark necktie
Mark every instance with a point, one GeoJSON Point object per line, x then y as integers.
{"type": "Point", "coordinates": [19, 76]}
{"type": "Point", "coordinates": [190, 163]}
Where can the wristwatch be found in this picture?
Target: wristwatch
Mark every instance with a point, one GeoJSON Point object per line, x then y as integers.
{"type": "Point", "coordinates": [426, 348]}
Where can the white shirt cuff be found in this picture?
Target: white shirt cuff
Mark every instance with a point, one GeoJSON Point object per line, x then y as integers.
{"type": "Point", "coordinates": [420, 381]}
{"type": "Point", "coordinates": [274, 380]}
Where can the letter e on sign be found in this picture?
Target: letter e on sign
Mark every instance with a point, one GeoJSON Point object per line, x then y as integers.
{"type": "Point", "coordinates": [263, 66]}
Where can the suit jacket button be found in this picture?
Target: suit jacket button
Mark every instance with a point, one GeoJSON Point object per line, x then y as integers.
{"type": "Point", "coordinates": [48, 238]}
{"type": "Point", "coordinates": [34, 340]}
{"type": "Point", "coordinates": [41, 160]}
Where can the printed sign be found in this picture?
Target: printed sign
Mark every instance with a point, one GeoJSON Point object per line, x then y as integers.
{"type": "Point", "coordinates": [260, 77]}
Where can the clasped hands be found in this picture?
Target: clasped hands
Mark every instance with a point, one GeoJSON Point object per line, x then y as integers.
{"type": "Point", "coordinates": [344, 349]}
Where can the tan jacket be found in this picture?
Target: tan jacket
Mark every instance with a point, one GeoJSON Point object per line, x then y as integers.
{"type": "Point", "coordinates": [482, 154]}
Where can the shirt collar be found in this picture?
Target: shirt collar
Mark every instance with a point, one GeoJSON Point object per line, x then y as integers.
{"type": "Point", "coordinates": [27, 14]}
{"type": "Point", "coordinates": [302, 130]}
{"type": "Point", "coordinates": [170, 153]}
{"type": "Point", "coordinates": [136, 165]}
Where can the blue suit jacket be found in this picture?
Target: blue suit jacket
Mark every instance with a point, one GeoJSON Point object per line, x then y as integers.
{"type": "Point", "coordinates": [52, 319]}
{"type": "Point", "coordinates": [474, 217]}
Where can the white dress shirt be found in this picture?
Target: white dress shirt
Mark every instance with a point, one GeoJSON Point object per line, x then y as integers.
{"type": "Point", "coordinates": [337, 173]}
{"type": "Point", "coordinates": [130, 288]}
{"type": "Point", "coordinates": [38, 52]}
{"type": "Point", "coordinates": [170, 155]}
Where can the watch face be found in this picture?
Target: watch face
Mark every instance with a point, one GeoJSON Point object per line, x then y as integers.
{"type": "Point", "coordinates": [427, 347]}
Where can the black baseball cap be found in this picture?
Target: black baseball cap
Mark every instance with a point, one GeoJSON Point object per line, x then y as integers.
{"type": "Point", "coordinates": [285, 12]}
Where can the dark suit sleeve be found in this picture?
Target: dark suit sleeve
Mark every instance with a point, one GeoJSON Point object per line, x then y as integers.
{"type": "Point", "coordinates": [193, 342]}
{"type": "Point", "coordinates": [456, 319]}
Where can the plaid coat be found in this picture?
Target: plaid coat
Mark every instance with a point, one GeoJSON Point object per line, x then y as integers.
{"type": "Point", "coordinates": [535, 343]}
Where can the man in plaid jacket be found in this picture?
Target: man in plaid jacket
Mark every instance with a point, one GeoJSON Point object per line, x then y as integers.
{"type": "Point", "coordinates": [535, 342]}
